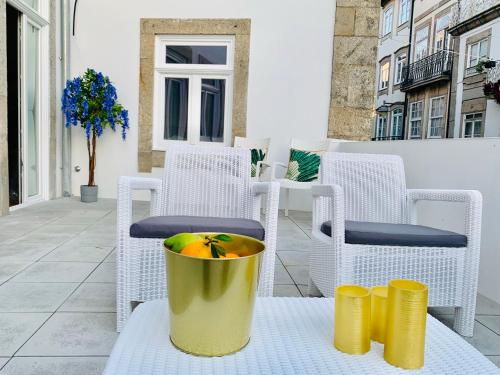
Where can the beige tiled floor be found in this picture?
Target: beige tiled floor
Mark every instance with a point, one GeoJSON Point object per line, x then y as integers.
{"type": "Point", "coordinates": [57, 272]}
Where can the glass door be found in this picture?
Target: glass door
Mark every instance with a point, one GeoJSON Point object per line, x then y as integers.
{"type": "Point", "coordinates": [31, 109]}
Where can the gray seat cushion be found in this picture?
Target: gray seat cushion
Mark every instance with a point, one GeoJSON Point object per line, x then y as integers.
{"type": "Point", "coordinates": [365, 233]}
{"type": "Point", "coordinates": [166, 226]}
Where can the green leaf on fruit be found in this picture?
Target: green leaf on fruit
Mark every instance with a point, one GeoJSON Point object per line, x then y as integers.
{"type": "Point", "coordinates": [223, 237]}
{"type": "Point", "coordinates": [213, 249]}
{"type": "Point", "coordinates": [220, 250]}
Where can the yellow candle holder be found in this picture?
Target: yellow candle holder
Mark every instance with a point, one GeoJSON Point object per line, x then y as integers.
{"type": "Point", "coordinates": [352, 319]}
{"type": "Point", "coordinates": [406, 318]}
{"type": "Point", "coordinates": [379, 313]}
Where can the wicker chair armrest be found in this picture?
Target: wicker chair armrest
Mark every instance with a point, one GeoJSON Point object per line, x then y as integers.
{"type": "Point", "coordinates": [274, 168]}
{"type": "Point", "coordinates": [334, 211]}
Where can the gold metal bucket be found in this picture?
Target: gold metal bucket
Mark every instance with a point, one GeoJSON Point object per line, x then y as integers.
{"type": "Point", "coordinates": [211, 301]}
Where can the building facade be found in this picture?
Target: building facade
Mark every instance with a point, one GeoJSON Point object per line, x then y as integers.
{"type": "Point", "coordinates": [476, 28]}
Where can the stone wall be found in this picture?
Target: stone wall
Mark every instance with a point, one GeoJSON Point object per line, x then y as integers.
{"type": "Point", "coordinates": [4, 166]}
{"type": "Point", "coordinates": [352, 99]}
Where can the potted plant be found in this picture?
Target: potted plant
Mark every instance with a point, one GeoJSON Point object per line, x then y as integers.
{"type": "Point", "coordinates": [492, 90]}
{"type": "Point", "coordinates": [485, 63]}
{"type": "Point", "coordinates": [90, 100]}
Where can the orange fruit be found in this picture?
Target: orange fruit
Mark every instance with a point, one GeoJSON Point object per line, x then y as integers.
{"type": "Point", "coordinates": [197, 249]}
{"type": "Point", "coordinates": [232, 255]}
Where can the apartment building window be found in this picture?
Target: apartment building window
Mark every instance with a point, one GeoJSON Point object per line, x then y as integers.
{"type": "Point", "coordinates": [381, 130]}
{"type": "Point", "coordinates": [384, 75]}
{"type": "Point", "coordinates": [416, 110]}
{"type": "Point", "coordinates": [193, 89]}
{"type": "Point", "coordinates": [397, 122]}
{"type": "Point", "coordinates": [476, 51]}
{"type": "Point", "coordinates": [441, 37]}
{"type": "Point", "coordinates": [398, 69]}
{"type": "Point", "coordinates": [421, 43]}
{"type": "Point", "coordinates": [404, 11]}
{"type": "Point", "coordinates": [436, 117]}
{"type": "Point", "coordinates": [473, 125]}
{"type": "Point", "coordinates": [387, 24]}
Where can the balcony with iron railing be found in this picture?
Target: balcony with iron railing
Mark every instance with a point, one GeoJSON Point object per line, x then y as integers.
{"type": "Point", "coordinates": [468, 14]}
{"type": "Point", "coordinates": [433, 68]}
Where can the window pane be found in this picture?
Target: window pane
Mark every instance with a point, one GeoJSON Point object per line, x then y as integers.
{"type": "Point", "coordinates": [483, 49]}
{"type": "Point", "coordinates": [196, 55]}
{"type": "Point", "coordinates": [468, 130]}
{"type": "Point", "coordinates": [176, 108]}
{"type": "Point", "coordinates": [477, 128]}
{"type": "Point", "coordinates": [213, 93]}
{"type": "Point", "coordinates": [32, 123]}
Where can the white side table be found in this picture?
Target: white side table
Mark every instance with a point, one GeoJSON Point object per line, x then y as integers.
{"type": "Point", "coordinates": [289, 336]}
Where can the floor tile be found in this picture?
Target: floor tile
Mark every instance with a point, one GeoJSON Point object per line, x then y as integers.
{"type": "Point", "coordinates": [495, 359]}
{"type": "Point", "coordinates": [63, 272]}
{"type": "Point", "coordinates": [486, 306]}
{"type": "Point", "coordinates": [304, 290]}
{"type": "Point", "coordinates": [34, 297]}
{"type": "Point", "coordinates": [289, 243]}
{"type": "Point", "coordinates": [490, 321]}
{"type": "Point", "coordinates": [24, 251]}
{"type": "Point", "coordinates": [105, 273]}
{"type": "Point", "coordinates": [281, 276]}
{"type": "Point", "coordinates": [294, 258]}
{"type": "Point", "coordinates": [300, 274]}
{"type": "Point", "coordinates": [111, 258]}
{"type": "Point", "coordinates": [3, 361]}
{"type": "Point", "coordinates": [16, 328]}
{"type": "Point", "coordinates": [73, 334]}
{"type": "Point", "coordinates": [10, 268]}
{"type": "Point", "coordinates": [78, 254]}
{"type": "Point", "coordinates": [286, 291]}
{"type": "Point", "coordinates": [93, 297]}
{"type": "Point", "coordinates": [55, 366]}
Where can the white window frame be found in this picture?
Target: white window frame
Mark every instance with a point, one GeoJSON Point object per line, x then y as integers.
{"type": "Point", "coordinates": [384, 84]}
{"type": "Point", "coordinates": [404, 11]}
{"type": "Point", "coordinates": [415, 119]}
{"type": "Point", "coordinates": [378, 129]}
{"type": "Point", "coordinates": [195, 73]}
{"type": "Point", "coordinates": [478, 55]}
{"type": "Point", "coordinates": [431, 117]}
{"type": "Point", "coordinates": [399, 122]}
{"type": "Point", "coordinates": [417, 41]}
{"type": "Point", "coordinates": [474, 123]}
{"type": "Point", "coordinates": [388, 16]}
{"type": "Point", "coordinates": [399, 64]}
{"type": "Point", "coordinates": [40, 20]}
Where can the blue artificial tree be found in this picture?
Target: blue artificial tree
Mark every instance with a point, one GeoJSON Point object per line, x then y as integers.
{"type": "Point", "coordinates": [90, 100]}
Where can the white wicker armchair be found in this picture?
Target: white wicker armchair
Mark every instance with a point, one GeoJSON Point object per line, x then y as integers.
{"type": "Point", "coordinates": [198, 181]}
{"type": "Point", "coordinates": [371, 188]}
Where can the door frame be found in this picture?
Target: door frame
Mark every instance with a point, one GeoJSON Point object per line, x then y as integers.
{"type": "Point", "coordinates": [38, 19]}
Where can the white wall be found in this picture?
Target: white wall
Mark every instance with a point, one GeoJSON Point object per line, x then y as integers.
{"type": "Point", "coordinates": [453, 164]}
{"type": "Point", "coordinates": [289, 79]}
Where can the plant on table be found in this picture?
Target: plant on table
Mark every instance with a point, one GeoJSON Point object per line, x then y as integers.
{"type": "Point", "coordinates": [91, 101]}
{"type": "Point", "coordinates": [200, 246]}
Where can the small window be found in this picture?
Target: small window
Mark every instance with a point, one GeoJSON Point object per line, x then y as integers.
{"type": "Point", "coordinates": [436, 117]}
{"type": "Point", "coordinates": [179, 54]}
{"type": "Point", "coordinates": [473, 125]}
{"type": "Point", "coordinates": [398, 70]}
{"type": "Point", "coordinates": [397, 123]}
{"type": "Point", "coordinates": [381, 131]}
{"type": "Point", "coordinates": [441, 37]}
{"type": "Point", "coordinates": [416, 110]}
{"type": "Point", "coordinates": [384, 75]}
{"type": "Point", "coordinates": [421, 43]}
{"type": "Point", "coordinates": [193, 89]}
{"type": "Point", "coordinates": [476, 52]}
{"type": "Point", "coordinates": [404, 11]}
{"type": "Point", "coordinates": [387, 24]}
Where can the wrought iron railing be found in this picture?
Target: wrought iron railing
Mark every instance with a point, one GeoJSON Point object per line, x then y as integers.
{"type": "Point", "coordinates": [389, 138]}
{"type": "Point", "coordinates": [493, 74]}
{"type": "Point", "coordinates": [466, 9]}
{"type": "Point", "coordinates": [429, 68]}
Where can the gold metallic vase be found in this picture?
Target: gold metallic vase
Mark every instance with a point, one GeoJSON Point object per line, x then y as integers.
{"type": "Point", "coordinates": [211, 301]}
{"type": "Point", "coordinates": [379, 313]}
{"type": "Point", "coordinates": [406, 318]}
{"type": "Point", "coordinates": [352, 319]}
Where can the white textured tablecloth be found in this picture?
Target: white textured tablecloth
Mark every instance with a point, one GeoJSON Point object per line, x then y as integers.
{"type": "Point", "coordinates": [289, 336]}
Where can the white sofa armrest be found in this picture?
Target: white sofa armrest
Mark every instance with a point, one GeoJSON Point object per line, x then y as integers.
{"type": "Point", "coordinates": [332, 210]}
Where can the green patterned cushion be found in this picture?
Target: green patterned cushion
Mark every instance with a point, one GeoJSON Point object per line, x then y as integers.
{"type": "Point", "coordinates": [303, 166]}
{"type": "Point", "coordinates": [257, 155]}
